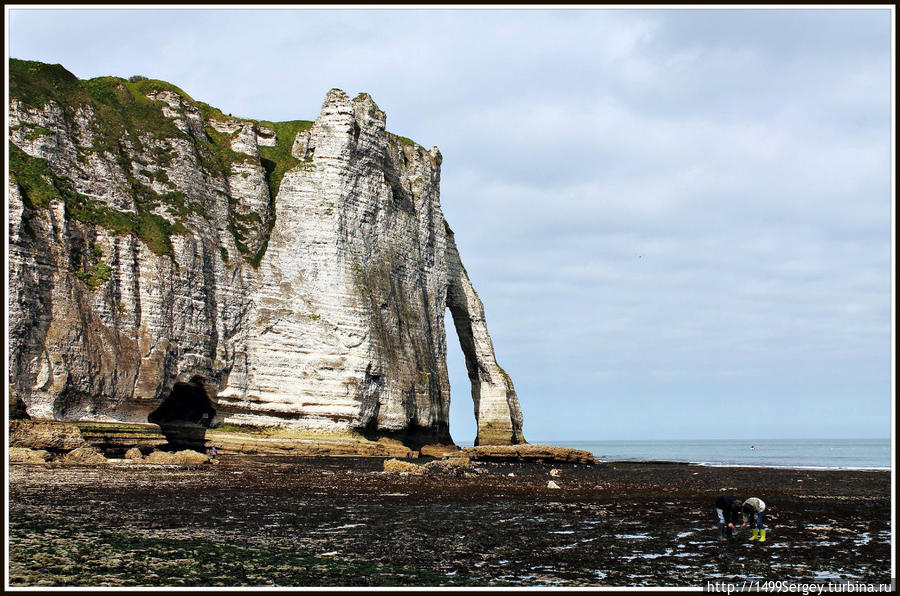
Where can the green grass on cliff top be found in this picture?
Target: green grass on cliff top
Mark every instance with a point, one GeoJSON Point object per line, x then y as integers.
{"type": "Point", "coordinates": [36, 83]}
{"type": "Point", "coordinates": [123, 115]}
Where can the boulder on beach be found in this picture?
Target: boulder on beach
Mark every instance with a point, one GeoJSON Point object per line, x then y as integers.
{"type": "Point", "coordinates": [24, 455]}
{"type": "Point", "coordinates": [134, 454]}
{"type": "Point", "coordinates": [551, 484]}
{"type": "Point", "coordinates": [186, 457]}
{"type": "Point", "coordinates": [160, 457]}
{"type": "Point", "coordinates": [398, 465]}
{"type": "Point", "coordinates": [57, 436]}
{"type": "Point", "coordinates": [453, 466]}
{"type": "Point", "coordinates": [84, 455]}
{"type": "Point", "coordinates": [555, 473]}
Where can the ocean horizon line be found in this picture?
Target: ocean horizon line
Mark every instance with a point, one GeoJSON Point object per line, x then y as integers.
{"type": "Point", "coordinates": [749, 441]}
{"type": "Point", "coordinates": [825, 454]}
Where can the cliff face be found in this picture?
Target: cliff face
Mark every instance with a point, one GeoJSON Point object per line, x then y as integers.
{"type": "Point", "coordinates": [172, 263]}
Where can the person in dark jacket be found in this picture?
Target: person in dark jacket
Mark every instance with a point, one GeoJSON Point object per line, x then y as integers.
{"type": "Point", "coordinates": [728, 510]}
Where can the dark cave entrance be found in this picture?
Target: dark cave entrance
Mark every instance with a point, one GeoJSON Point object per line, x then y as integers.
{"type": "Point", "coordinates": [187, 404]}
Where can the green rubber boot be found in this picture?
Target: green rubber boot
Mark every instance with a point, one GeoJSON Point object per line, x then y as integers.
{"type": "Point", "coordinates": [762, 535]}
{"type": "Point", "coordinates": [755, 534]}
{"type": "Point", "coordinates": [722, 537]}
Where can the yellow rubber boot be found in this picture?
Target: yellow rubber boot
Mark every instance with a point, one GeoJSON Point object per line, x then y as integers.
{"type": "Point", "coordinates": [762, 535]}
{"type": "Point", "coordinates": [755, 534]}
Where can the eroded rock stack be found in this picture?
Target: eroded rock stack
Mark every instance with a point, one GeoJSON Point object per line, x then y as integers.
{"type": "Point", "coordinates": [173, 263]}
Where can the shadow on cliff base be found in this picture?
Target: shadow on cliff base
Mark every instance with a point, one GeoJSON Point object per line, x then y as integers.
{"type": "Point", "coordinates": [415, 437]}
{"type": "Point", "coordinates": [184, 417]}
{"type": "Point", "coordinates": [17, 409]}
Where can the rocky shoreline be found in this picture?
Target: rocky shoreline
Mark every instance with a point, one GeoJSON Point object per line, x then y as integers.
{"type": "Point", "coordinates": [53, 441]}
{"type": "Point", "coordinates": [307, 521]}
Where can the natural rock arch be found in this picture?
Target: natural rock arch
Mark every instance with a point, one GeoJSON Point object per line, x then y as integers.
{"type": "Point", "coordinates": [497, 412]}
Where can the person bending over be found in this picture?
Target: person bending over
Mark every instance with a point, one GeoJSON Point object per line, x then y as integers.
{"type": "Point", "coordinates": [752, 511]}
{"type": "Point", "coordinates": [727, 509]}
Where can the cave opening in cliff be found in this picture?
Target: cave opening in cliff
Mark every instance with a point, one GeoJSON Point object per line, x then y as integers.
{"type": "Point", "coordinates": [186, 404]}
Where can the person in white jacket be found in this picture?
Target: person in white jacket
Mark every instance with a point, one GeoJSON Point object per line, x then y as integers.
{"type": "Point", "coordinates": [752, 511]}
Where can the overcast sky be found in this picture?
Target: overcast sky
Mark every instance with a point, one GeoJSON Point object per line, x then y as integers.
{"type": "Point", "coordinates": [679, 221]}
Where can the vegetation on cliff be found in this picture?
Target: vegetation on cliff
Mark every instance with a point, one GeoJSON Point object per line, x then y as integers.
{"type": "Point", "coordinates": [39, 186]}
{"type": "Point", "coordinates": [127, 126]}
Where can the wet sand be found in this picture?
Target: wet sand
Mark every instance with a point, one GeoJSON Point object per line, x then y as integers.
{"type": "Point", "coordinates": [264, 521]}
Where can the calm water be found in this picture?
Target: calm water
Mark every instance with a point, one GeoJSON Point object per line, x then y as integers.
{"type": "Point", "coordinates": [797, 453]}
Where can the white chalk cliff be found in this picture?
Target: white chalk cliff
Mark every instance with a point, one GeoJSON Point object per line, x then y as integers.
{"type": "Point", "coordinates": [153, 274]}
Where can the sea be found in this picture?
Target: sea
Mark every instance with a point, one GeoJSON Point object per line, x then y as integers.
{"type": "Point", "coordinates": [836, 454]}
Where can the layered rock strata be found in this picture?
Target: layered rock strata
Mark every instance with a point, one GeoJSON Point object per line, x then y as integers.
{"type": "Point", "coordinates": [171, 264]}
{"type": "Point", "coordinates": [545, 453]}
{"type": "Point", "coordinates": [116, 439]}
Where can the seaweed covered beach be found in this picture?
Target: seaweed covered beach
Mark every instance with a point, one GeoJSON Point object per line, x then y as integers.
{"type": "Point", "coordinates": [277, 521]}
